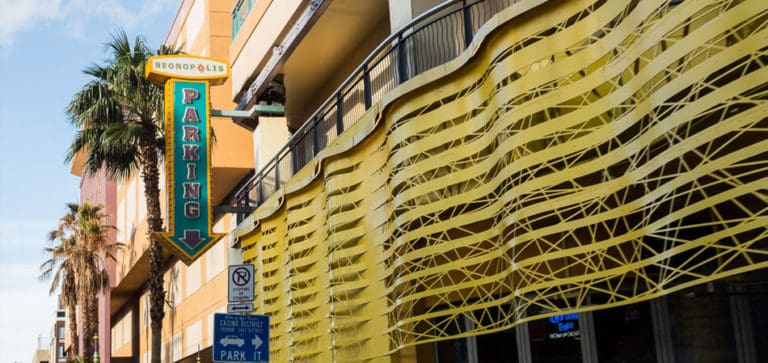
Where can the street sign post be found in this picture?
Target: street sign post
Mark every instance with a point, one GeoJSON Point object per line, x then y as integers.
{"type": "Point", "coordinates": [240, 338]}
{"type": "Point", "coordinates": [240, 283]}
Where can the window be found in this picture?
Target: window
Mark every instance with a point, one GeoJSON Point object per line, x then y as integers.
{"type": "Point", "coordinates": [173, 279]}
{"type": "Point", "coordinates": [122, 235]}
{"type": "Point", "coordinates": [61, 333]}
{"type": "Point", "coordinates": [210, 323]}
{"type": "Point", "coordinates": [193, 277]}
{"type": "Point", "coordinates": [142, 200]}
{"type": "Point", "coordinates": [214, 260]}
{"type": "Point", "coordinates": [117, 335]}
{"type": "Point", "coordinates": [625, 334]}
{"type": "Point", "coordinates": [458, 350]}
{"type": "Point", "coordinates": [195, 21]}
{"type": "Point", "coordinates": [145, 306]}
{"type": "Point", "coordinates": [130, 206]}
{"type": "Point", "coordinates": [499, 347]}
{"type": "Point", "coordinates": [176, 347]}
{"type": "Point", "coordinates": [194, 337]}
{"type": "Point", "coordinates": [702, 326]}
{"type": "Point", "coordinates": [555, 339]}
{"type": "Point", "coordinates": [757, 295]}
{"type": "Point", "coordinates": [127, 321]}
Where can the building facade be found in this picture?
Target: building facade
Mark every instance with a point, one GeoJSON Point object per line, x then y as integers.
{"type": "Point", "coordinates": [57, 348]}
{"type": "Point", "coordinates": [42, 354]}
{"type": "Point", "coordinates": [101, 190]}
{"type": "Point", "coordinates": [476, 181]}
{"type": "Point", "coordinates": [507, 181]}
{"type": "Point", "coordinates": [195, 292]}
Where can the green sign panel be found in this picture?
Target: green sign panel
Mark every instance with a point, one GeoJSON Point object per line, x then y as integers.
{"type": "Point", "coordinates": [187, 152]}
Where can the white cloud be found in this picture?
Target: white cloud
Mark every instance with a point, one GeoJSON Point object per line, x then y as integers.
{"type": "Point", "coordinates": [75, 17]}
{"type": "Point", "coordinates": [19, 15]}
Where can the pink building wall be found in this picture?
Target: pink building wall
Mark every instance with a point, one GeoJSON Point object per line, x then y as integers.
{"type": "Point", "coordinates": [99, 189]}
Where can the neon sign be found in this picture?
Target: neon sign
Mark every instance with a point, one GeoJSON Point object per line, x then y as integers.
{"type": "Point", "coordinates": [566, 325]}
{"type": "Point", "coordinates": [187, 150]}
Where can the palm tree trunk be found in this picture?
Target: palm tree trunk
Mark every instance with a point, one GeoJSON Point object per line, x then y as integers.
{"type": "Point", "coordinates": [156, 299]}
{"type": "Point", "coordinates": [150, 174]}
{"type": "Point", "coordinates": [70, 296]}
{"type": "Point", "coordinates": [93, 323]}
{"type": "Point", "coordinates": [85, 301]}
{"type": "Point", "coordinates": [73, 338]}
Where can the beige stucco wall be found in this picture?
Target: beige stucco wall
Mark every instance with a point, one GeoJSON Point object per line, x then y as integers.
{"type": "Point", "coordinates": [41, 355]}
{"type": "Point", "coordinates": [402, 11]}
{"type": "Point", "coordinates": [259, 33]}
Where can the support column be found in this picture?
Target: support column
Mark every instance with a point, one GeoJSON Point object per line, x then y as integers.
{"type": "Point", "coordinates": [523, 343]}
{"type": "Point", "coordinates": [742, 329]}
{"type": "Point", "coordinates": [400, 13]}
{"type": "Point", "coordinates": [588, 341]}
{"type": "Point", "coordinates": [662, 336]}
{"type": "Point", "coordinates": [269, 136]}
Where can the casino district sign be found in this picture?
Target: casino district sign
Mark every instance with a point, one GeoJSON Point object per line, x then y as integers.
{"type": "Point", "coordinates": [187, 149]}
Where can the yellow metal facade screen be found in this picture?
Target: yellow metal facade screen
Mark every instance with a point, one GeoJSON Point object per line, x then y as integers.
{"type": "Point", "coordinates": [582, 155]}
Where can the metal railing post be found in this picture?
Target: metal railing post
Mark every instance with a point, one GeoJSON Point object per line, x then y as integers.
{"type": "Point", "coordinates": [277, 174]}
{"type": "Point", "coordinates": [468, 33]}
{"type": "Point", "coordinates": [402, 65]}
{"type": "Point", "coordinates": [238, 216]}
{"type": "Point", "coordinates": [367, 87]}
{"type": "Point", "coordinates": [261, 190]}
{"type": "Point", "coordinates": [315, 138]}
{"type": "Point", "coordinates": [239, 203]}
{"type": "Point", "coordinates": [248, 202]}
{"type": "Point", "coordinates": [295, 159]}
{"type": "Point", "coordinates": [339, 114]}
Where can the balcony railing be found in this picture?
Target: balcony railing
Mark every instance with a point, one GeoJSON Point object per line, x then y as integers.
{"type": "Point", "coordinates": [432, 39]}
{"type": "Point", "coordinates": [239, 13]}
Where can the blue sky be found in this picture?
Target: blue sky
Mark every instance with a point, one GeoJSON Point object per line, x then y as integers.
{"type": "Point", "coordinates": [44, 44]}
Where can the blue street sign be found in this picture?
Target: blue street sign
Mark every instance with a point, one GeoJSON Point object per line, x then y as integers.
{"type": "Point", "coordinates": [240, 338]}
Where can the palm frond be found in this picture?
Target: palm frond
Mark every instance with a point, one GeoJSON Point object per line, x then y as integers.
{"type": "Point", "coordinates": [111, 109]}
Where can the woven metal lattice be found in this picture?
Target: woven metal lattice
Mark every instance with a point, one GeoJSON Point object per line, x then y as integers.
{"type": "Point", "coordinates": [587, 154]}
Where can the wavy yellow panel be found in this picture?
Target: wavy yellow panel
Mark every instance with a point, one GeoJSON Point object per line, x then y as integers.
{"type": "Point", "coordinates": [581, 155]}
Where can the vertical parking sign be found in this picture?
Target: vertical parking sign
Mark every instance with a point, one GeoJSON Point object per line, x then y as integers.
{"type": "Point", "coordinates": [187, 149]}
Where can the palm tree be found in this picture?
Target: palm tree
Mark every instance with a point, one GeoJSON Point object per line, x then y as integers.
{"type": "Point", "coordinates": [93, 248]}
{"type": "Point", "coordinates": [119, 116]}
{"type": "Point", "coordinates": [60, 269]}
{"type": "Point", "coordinates": [79, 261]}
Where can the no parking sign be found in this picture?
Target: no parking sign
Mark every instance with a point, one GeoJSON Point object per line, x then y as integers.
{"type": "Point", "coordinates": [240, 283]}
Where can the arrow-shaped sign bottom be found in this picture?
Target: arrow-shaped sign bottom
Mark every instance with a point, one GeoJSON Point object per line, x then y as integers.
{"type": "Point", "coordinates": [192, 237]}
